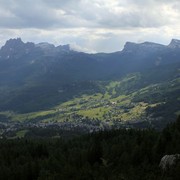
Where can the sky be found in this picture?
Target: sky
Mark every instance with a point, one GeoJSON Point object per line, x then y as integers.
{"type": "Point", "coordinates": [90, 25]}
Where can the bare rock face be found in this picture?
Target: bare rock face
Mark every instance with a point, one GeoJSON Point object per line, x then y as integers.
{"type": "Point", "coordinates": [175, 43]}
{"type": "Point", "coordinates": [15, 49]}
{"type": "Point", "coordinates": [130, 47]}
{"type": "Point", "coordinates": [168, 161]}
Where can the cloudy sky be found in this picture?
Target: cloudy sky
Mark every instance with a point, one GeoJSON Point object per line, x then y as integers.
{"type": "Point", "coordinates": [90, 25]}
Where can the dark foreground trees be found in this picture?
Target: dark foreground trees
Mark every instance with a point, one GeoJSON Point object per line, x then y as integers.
{"type": "Point", "coordinates": [119, 154]}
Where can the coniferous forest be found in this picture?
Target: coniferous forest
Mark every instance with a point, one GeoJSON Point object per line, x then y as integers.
{"type": "Point", "coordinates": [90, 90]}
{"type": "Point", "coordinates": [125, 154]}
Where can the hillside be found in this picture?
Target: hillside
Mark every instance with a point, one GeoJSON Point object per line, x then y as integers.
{"type": "Point", "coordinates": [44, 83]}
{"type": "Point", "coordinates": [116, 154]}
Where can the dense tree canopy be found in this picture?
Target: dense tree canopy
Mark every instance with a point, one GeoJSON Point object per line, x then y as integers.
{"type": "Point", "coordinates": [117, 154]}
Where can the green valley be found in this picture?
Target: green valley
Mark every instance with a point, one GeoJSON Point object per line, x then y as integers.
{"type": "Point", "coordinates": [129, 99]}
{"type": "Point", "coordinates": [136, 87]}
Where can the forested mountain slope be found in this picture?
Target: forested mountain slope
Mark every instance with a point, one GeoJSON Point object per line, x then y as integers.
{"type": "Point", "coordinates": [116, 154]}
{"type": "Point", "coordinates": [141, 82]}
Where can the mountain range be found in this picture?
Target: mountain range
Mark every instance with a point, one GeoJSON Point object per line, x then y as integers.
{"type": "Point", "coordinates": [42, 82]}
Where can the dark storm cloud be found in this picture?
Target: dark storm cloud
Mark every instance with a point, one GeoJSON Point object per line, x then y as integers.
{"type": "Point", "coordinates": [82, 13]}
{"type": "Point", "coordinates": [39, 14]}
{"type": "Point", "coordinates": [90, 24]}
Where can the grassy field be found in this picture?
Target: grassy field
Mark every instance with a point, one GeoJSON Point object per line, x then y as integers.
{"type": "Point", "coordinates": [123, 100]}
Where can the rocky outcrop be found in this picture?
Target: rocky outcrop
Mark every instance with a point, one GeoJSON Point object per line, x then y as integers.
{"type": "Point", "coordinates": [16, 48]}
{"type": "Point", "coordinates": [142, 47]}
{"type": "Point", "coordinates": [175, 43]}
{"type": "Point", "coordinates": [168, 161]}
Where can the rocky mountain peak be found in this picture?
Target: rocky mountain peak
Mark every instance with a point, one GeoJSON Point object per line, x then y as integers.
{"type": "Point", "coordinates": [45, 46]}
{"type": "Point", "coordinates": [14, 42]}
{"type": "Point", "coordinates": [64, 48]}
{"type": "Point", "coordinates": [175, 43]}
{"type": "Point", "coordinates": [147, 46]}
{"type": "Point", "coordinates": [129, 47]}
{"type": "Point", "coordinates": [14, 48]}
{"type": "Point", "coordinates": [51, 50]}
